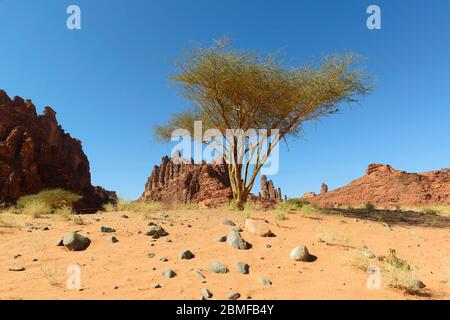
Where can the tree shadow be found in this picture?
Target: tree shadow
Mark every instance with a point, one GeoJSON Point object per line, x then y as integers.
{"type": "Point", "coordinates": [393, 217]}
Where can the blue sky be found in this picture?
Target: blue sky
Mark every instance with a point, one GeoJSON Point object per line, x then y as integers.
{"type": "Point", "coordinates": [109, 81]}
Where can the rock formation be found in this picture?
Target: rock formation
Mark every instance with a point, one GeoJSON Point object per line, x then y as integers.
{"type": "Point", "coordinates": [268, 191]}
{"type": "Point", "coordinates": [36, 154]}
{"type": "Point", "coordinates": [180, 180]}
{"type": "Point", "coordinates": [323, 188]}
{"type": "Point", "coordinates": [385, 186]}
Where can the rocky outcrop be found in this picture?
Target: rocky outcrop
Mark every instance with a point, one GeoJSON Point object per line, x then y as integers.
{"type": "Point", "coordinates": [183, 181]}
{"type": "Point", "coordinates": [268, 191]}
{"type": "Point", "coordinates": [385, 186]}
{"type": "Point", "coordinates": [36, 154]}
{"type": "Point", "coordinates": [178, 180]}
{"type": "Point", "coordinates": [324, 188]}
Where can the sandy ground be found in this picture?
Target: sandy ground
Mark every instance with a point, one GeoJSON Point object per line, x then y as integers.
{"type": "Point", "coordinates": [124, 270]}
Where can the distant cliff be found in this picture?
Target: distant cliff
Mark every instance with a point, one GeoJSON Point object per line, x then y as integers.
{"type": "Point", "coordinates": [383, 185]}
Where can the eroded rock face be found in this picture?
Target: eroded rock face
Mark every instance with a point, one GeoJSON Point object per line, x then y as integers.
{"type": "Point", "coordinates": [385, 186]}
{"type": "Point", "coordinates": [268, 191]}
{"type": "Point", "coordinates": [180, 180]}
{"type": "Point", "coordinates": [36, 154]}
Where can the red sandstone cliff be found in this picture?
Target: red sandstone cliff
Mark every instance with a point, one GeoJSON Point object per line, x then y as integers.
{"type": "Point", "coordinates": [36, 154]}
{"type": "Point", "coordinates": [385, 186]}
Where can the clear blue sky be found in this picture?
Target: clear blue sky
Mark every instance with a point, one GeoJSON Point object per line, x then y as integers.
{"type": "Point", "coordinates": [109, 81]}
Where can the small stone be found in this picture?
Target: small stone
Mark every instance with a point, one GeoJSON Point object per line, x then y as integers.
{"type": "Point", "coordinates": [107, 230]}
{"type": "Point", "coordinates": [163, 215]}
{"type": "Point", "coordinates": [256, 227]}
{"type": "Point", "coordinates": [265, 281]}
{"type": "Point", "coordinates": [217, 267]}
{"type": "Point", "coordinates": [168, 273]}
{"type": "Point", "coordinates": [199, 275]}
{"type": "Point", "coordinates": [16, 269]}
{"type": "Point", "coordinates": [233, 296]}
{"type": "Point", "coordinates": [151, 255]}
{"type": "Point", "coordinates": [206, 293]}
{"type": "Point", "coordinates": [157, 286]}
{"type": "Point", "coordinates": [112, 239]}
{"type": "Point", "coordinates": [300, 254]}
{"type": "Point", "coordinates": [237, 229]}
{"type": "Point", "coordinates": [45, 229]}
{"type": "Point", "coordinates": [167, 239]}
{"type": "Point", "coordinates": [163, 259]}
{"type": "Point", "coordinates": [124, 216]}
{"type": "Point", "coordinates": [242, 267]}
{"type": "Point", "coordinates": [235, 240]}
{"type": "Point", "coordinates": [228, 223]}
{"type": "Point", "coordinates": [187, 255]}
{"type": "Point", "coordinates": [76, 242]}
{"type": "Point", "coordinates": [222, 239]}
{"type": "Point", "coordinates": [156, 232]}
{"type": "Point", "coordinates": [268, 246]}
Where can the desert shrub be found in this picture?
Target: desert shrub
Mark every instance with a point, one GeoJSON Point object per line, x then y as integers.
{"type": "Point", "coordinates": [430, 211]}
{"type": "Point", "coordinates": [279, 215]}
{"type": "Point", "coordinates": [65, 212]}
{"type": "Point", "coordinates": [400, 275]}
{"type": "Point", "coordinates": [136, 206]}
{"type": "Point", "coordinates": [294, 204]}
{"type": "Point", "coordinates": [360, 261]}
{"type": "Point", "coordinates": [369, 206]}
{"type": "Point", "coordinates": [185, 206]}
{"type": "Point", "coordinates": [53, 198]}
{"type": "Point", "coordinates": [35, 208]}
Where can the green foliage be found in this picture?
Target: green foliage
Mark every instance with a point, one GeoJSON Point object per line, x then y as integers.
{"type": "Point", "coordinates": [52, 198]}
{"type": "Point", "coordinates": [35, 208]}
{"type": "Point", "coordinates": [239, 90]}
{"type": "Point", "coordinates": [369, 206]}
{"type": "Point", "coordinates": [133, 206]}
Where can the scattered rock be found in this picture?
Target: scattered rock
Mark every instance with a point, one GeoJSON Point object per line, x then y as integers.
{"type": "Point", "coordinates": [235, 240]}
{"type": "Point", "coordinates": [45, 228]}
{"type": "Point", "coordinates": [112, 240]}
{"type": "Point", "coordinates": [257, 227]}
{"type": "Point", "coordinates": [265, 281]}
{"type": "Point", "coordinates": [124, 216]}
{"type": "Point", "coordinates": [157, 286]}
{"type": "Point", "coordinates": [163, 215]}
{"type": "Point", "coordinates": [206, 293]}
{"type": "Point", "coordinates": [268, 246]}
{"type": "Point", "coordinates": [228, 223]}
{"type": "Point", "coordinates": [163, 259]}
{"type": "Point", "coordinates": [237, 229]}
{"type": "Point", "coordinates": [168, 273]}
{"type": "Point", "coordinates": [233, 296]}
{"type": "Point", "coordinates": [242, 267]}
{"type": "Point", "coordinates": [156, 232]}
{"type": "Point", "coordinates": [199, 275]}
{"type": "Point", "coordinates": [187, 255]}
{"type": "Point", "coordinates": [217, 267]}
{"type": "Point", "coordinates": [222, 239]}
{"type": "Point", "coordinates": [16, 269]}
{"type": "Point", "coordinates": [151, 255]}
{"type": "Point", "coordinates": [107, 230]}
{"type": "Point", "coordinates": [59, 243]}
{"type": "Point", "coordinates": [76, 242]}
{"type": "Point", "coordinates": [300, 254]}
{"type": "Point", "coordinates": [167, 239]}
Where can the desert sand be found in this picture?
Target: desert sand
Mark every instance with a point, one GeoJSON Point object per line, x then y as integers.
{"type": "Point", "coordinates": [124, 270]}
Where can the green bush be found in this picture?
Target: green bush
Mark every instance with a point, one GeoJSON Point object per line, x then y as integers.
{"type": "Point", "coordinates": [293, 204]}
{"type": "Point", "coordinates": [53, 199]}
{"type": "Point", "coordinates": [369, 206]}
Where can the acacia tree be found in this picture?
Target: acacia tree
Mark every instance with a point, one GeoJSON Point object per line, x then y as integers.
{"type": "Point", "coordinates": [239, 90]}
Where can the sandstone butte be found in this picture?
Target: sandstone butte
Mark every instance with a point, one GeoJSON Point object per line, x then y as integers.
{"type": "Point", "coordinates": [383, 185]}
{"type": "Point", "coordinates": [36, 154]}
{"type": "Point", "coordinates": [178, 180]}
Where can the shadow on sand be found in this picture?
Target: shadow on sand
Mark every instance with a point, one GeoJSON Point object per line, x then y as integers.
{"type": "Point", "coordinates": [394, 217]}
